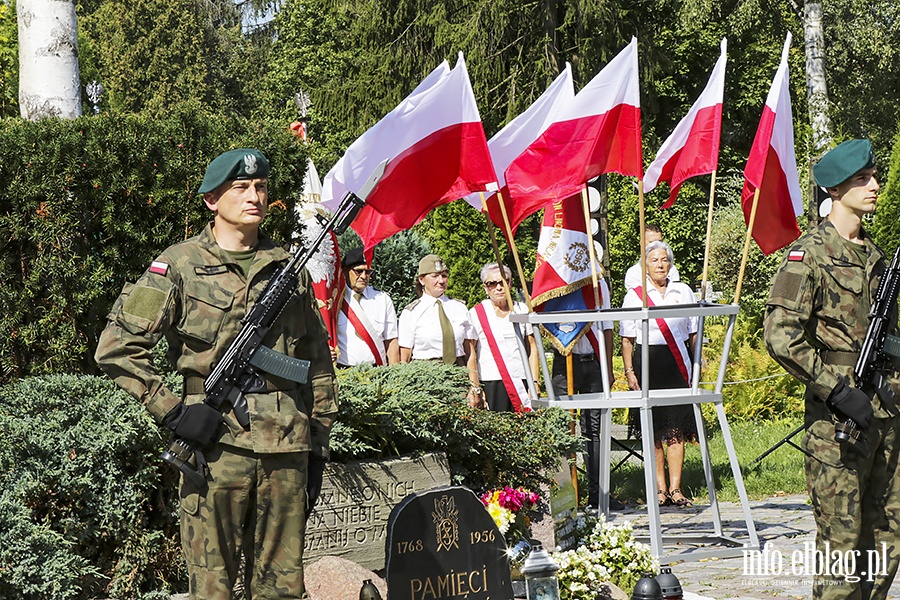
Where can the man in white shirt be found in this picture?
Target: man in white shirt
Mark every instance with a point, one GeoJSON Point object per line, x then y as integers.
{"type": "Point", "coordinates": [367, 323]}
{"type": "Point", "coordinates": [652, 233]}
{"type": "Point", "coordinates": [435, 326]}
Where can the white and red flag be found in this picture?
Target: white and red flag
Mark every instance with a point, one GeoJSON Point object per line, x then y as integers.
{"type": "Point", "coordinates": [693, 147]}
{"type": "Point", "coordinates": [521, 132]}
{"type": "Point", "coordinates": [437, 151]}
{"type": "Point", "coordinates": [772, 169]}
{"type": "Point", "coordinates": [324, 266]}
{"type": "Point", "coordinates": [598, 132]}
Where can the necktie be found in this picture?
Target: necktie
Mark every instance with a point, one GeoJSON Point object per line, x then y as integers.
{"type": "Point", "coordinates": [449, 340]}
{"type": "Point", "coordinates": [357, 296]}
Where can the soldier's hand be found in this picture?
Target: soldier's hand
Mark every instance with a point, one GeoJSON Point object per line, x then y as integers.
{"type": "Point", "coordinates": [853, 403]}
{"type": "Point", "coordinates": [198, 423]}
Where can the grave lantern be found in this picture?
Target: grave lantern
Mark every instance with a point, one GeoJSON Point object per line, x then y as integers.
{"type": "Point", "coordinates": [646, 588]}
{"type": "Point", "coordinates": [669, 585]}
{"type": "Point", "coordinates": [540, 575]}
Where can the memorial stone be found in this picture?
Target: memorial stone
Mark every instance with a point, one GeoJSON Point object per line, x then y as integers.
{"type": "Point", "coordinates": [351, 517]}
{"type": "Point", "coordinates": [564, 509]}
{"type": "Point", "coordinates": [444, 544]}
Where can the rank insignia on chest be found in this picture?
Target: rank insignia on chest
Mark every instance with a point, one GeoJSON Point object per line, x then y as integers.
{"type": "Point", "coordinates": [796, 255]}
{"type": "Point", "coordinates": [160, 268]}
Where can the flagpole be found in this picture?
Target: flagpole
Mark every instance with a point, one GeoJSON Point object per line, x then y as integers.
{"type": "Point", "coordinates": [740, 279]}
{"type": "Point", "coordinates": [490, 226]}
{"type": "Point", "coordinates": [591, 254]}
{"type": "Point", "coordinates": [512, 247]}
{"type": "Point", "coordinates": [709, 220]}
{"type": "Point", "coordinates": [642, 257]}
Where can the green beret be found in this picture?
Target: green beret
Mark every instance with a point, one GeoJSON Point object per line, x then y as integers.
{"type": "Point", "coordinates": [242, 163]}
{"type": "Point", "coordinates": [843, 162]}
{"type": "Point", "coordinates": [431, 263]}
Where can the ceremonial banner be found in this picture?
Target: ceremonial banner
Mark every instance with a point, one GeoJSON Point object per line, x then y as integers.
{"type": "Point", "coordinates": [312, 185]}
{"type": "Point", "coordinates": [437, 152]}
{"type": "Point", "coordinates": [324, 267]}
{"type": "Point", "coordinates": [772, 169]}
{"type": "Point", "coordinates": [598, 132]}
{"type": "Point", "coordinates": [693, 148]}
{"type": "Point", "coordinates": [516, 136]}
{"type": "Point", "coordinates": [562, 275]}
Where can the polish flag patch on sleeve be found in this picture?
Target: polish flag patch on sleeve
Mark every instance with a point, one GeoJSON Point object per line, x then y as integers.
{"type": "Point", "coordinates": [796, 255]}
{"type": "Point", "coordinates": [160, 268]}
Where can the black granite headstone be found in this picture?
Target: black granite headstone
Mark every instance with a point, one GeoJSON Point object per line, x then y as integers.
{"type": "Point", "coordinates": [443, 544]}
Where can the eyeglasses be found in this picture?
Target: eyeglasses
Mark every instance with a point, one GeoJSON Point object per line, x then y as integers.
{"type": "Point", "coordinates": [492, 284]}
{"type": "Point", "coordinates": [362, 271]}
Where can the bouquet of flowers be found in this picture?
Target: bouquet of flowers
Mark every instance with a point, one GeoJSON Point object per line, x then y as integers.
{"type": "Point", "coordinates": [610, 554]}
{"type": "Point", "coordinates": [503, 505]}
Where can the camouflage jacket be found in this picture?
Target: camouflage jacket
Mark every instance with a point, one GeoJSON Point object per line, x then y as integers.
{"type": "Point", "coordinates": [195, 294]}
{"type": "Point", "coordinates": [819, 304]}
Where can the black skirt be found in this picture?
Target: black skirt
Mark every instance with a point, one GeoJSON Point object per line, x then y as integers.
{"type": "Point", "coordinates": [670, 423]}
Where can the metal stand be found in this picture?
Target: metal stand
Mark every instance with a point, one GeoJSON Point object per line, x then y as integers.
{"type": "Point", "coordinates": [788, 439]}
{"type": "Point", "coordinates": [645, 400]}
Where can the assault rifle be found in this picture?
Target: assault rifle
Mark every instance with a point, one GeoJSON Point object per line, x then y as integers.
{"type": "Point", "coordinates": [240, 370]}
{"type": "Point", "coordinates": [878, 348]}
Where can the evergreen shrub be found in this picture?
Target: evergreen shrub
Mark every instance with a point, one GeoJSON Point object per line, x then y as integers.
{"type": "Point", "coordinates": [420, 407]}
{"type": "Point", "coordinates": [87, 509]}
{"type": "Point", "coordinates": [86, 205]}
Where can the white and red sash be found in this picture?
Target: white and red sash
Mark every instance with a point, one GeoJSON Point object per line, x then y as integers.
{"type": "Point", "coordinates": [677, 350]}
{"type": "Point", "coordinates": [514, 387]}
{"type": "Point", "coordinates": [363, 328]}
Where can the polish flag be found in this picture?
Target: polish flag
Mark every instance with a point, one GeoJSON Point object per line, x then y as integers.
{"type": "Point", "coordinates": [693, 148]}
{"type": "Point", "coordinates": [324, 266]}
{"type": "Point", "coordinates": [598, 132]}
{"type": "Point", "coordinates": [772, 169]}
{"type": "Point", "coordinates": [520, 133]}
{"type": "Point", "coordinates": [437, 152]}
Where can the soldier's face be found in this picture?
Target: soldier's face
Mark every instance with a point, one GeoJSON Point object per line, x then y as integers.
{"type": "Point", "coordinates": [434, 284]}
{"type": "Point", "coordinates": [859, 193]}
{"type": "Point", "coordinates": [240, 203]}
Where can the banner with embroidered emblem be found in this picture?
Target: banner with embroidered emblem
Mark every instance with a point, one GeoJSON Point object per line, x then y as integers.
{"type": "Point", "coordinates": [324, 267]}
{"type": "Point", "coordinates": [562, 275]}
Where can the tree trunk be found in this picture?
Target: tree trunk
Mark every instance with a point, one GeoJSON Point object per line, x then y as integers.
{"type": "Point", "coordinates": [816, 87]}
{"type": "Point", "coordinates": [816, 95]}
{"type": "Point", "coordinates": [49, 83]}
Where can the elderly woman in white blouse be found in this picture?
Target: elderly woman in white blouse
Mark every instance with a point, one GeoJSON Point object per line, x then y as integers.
{"type": "Point", "coordinates": [670, 343]}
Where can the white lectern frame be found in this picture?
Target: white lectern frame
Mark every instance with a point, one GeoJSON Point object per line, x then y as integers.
{"type": "Point", "coordinates": [645, 399]}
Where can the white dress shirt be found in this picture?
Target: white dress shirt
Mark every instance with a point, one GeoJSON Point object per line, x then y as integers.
{"type": "Point", "coordinates": [379, 310]}
{"type": "Point", "coordinates": [420, 327]}
{"type": "Point", "coordinates": [505, 336]}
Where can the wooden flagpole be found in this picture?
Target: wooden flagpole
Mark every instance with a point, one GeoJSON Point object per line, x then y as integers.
{"type": "Point", "coordinates": [709, 220]}
{"type": "Point", "coordinates": [512, 247]}
{"type": "Point", "coordinates": [740, 279]}
{"type": "Point", "coordinates": [490, 226]}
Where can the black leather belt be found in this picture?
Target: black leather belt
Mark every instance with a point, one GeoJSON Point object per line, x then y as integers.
{"type": "Point", "coordinates": [585, 357]}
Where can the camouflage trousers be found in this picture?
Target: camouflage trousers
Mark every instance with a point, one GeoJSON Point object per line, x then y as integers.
{"type": "Point", "coordinates": [856, 502]}
{"type": "Point", "coordinates": [255, 505]}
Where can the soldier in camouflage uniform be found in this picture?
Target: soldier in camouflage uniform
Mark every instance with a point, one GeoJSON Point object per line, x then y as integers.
{"type": "Point", "coordinates": [816, 319]}
{"type": "Point", "coordinates": [195, 294]}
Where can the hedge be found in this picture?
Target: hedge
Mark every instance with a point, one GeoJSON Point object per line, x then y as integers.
{"type": "Point", "coordinates": [86, 204]}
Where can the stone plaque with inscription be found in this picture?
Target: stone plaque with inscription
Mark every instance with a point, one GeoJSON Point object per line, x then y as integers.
{"type": "Point", "coordinates": [443, 544]}
{"type": "Point", "coordinates": [564, 509]}
{"type": "Point", "coordinates": [350, 519]}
